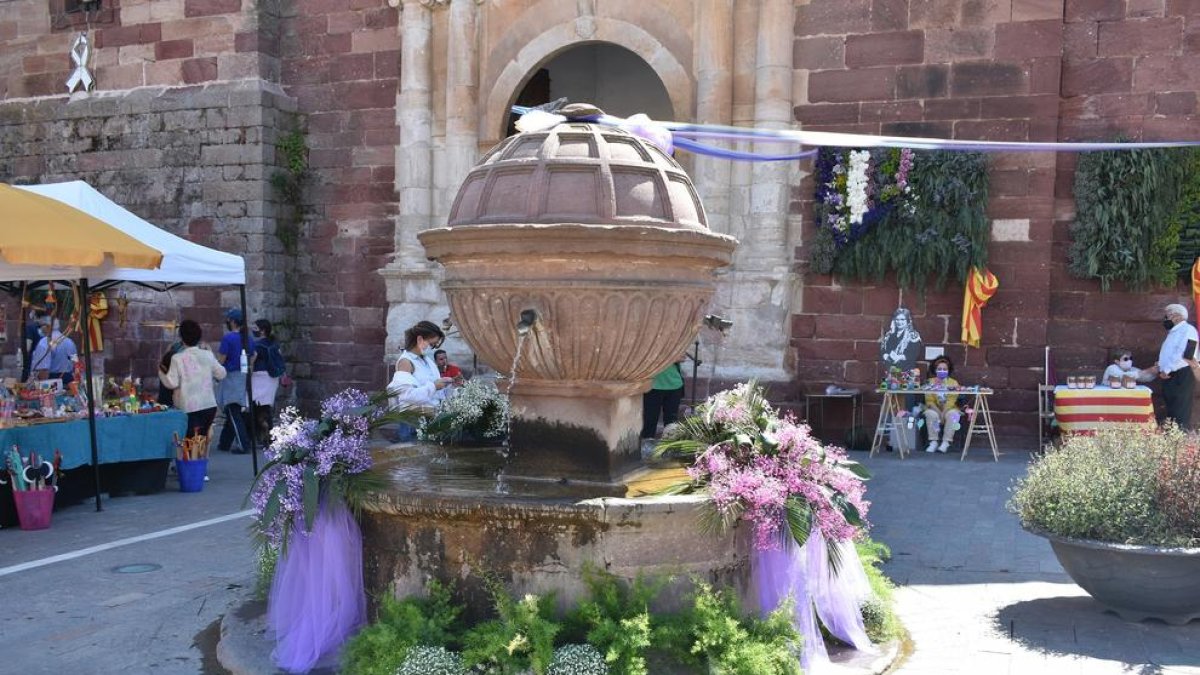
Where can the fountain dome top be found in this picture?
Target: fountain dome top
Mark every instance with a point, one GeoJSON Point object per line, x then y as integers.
{"type": "Point", "coordinates": [578, 173]}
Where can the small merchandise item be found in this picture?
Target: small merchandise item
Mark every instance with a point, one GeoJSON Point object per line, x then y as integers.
{"type": "Point", "coordinates": [191, 462]}
{"type": "Point", "coordinates": [1129, 381]}
{"type": "Point", "coordinates": [34, 482]}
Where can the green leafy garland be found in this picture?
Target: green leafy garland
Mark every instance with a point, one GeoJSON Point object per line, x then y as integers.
{"type": "Point", "coordinates": [1187, 218]}
{"type": "Point", "coordinates": [942, 236]}
{"type": "Point", "coordinates": [1126, 227]}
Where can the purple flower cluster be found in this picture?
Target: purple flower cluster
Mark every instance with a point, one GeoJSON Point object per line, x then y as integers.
{"type": "Point", "coordinates": [332, 447]}
{"type": "Point", "coordinates": [884, 189]}
{"type": "Point", "coordinates": [764, 461]}
{"type": "Point", "coordinates": [906, 163]}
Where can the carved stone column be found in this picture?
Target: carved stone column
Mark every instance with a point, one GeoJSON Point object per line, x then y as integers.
{"type": "Point", "coordinates": [411, 287]}
{"type": "Point", "coordinates": [462, 94]}
{"type": "Point", "coordinates": [756, 293]}
{"type": "Point", "coordinates": [714, 102]}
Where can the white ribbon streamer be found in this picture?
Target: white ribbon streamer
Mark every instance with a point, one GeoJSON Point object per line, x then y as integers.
{"type": "Point", "coordinates": [80, 51]}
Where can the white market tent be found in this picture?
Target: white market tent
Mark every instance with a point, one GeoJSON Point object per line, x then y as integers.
{"type": "Point", "coordinates": [183, 263]}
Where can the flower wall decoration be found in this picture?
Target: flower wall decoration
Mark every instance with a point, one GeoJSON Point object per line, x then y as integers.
{"type": "Point", "coordinates": [918, 214]}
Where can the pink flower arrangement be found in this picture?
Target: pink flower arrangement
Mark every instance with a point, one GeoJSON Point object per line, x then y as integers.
{"type": "Point", "coordinates": [769, 470]}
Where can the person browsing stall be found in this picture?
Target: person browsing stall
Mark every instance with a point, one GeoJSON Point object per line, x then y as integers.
{"type": "Point", "coordinates": [54, 354]}
{"type": "Point", "coordinates": [268, 366]}
{"type": "Point", "coordinates": [231, 395]}
{"type": "Point", "coordinates": [941, 405]}
{"type": "Point", "coordinates": [1178, 382]}
{"type": "Point", "coordinates": [190, 373]}
{"type": "Point", "coordinates": [33, 335]}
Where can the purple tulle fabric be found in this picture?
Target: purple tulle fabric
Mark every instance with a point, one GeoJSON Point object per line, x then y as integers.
{"type": "Point", "coordinates": [317, 600]}
{"type": "Point", "coordinates": [803, 573]}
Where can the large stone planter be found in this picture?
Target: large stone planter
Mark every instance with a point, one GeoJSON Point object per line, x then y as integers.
{"type": "Point", "coordinates": [1136, 582]}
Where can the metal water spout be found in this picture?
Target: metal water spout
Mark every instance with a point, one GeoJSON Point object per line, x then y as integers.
{"type": "Point", "coordinates": [528, 318]}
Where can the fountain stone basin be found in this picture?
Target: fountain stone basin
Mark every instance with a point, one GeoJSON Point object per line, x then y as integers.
{"type": "Point", "coordinates": [448, 516]}
{"type": "Point", "coordinates": [603, 237]}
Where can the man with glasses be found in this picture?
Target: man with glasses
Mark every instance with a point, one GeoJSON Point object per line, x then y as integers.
{"type": "Point", "coordinates": [1178, 348]}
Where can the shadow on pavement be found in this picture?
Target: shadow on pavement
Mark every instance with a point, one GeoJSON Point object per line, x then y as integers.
{"type": "Point", "coordinates": [1080, 626]}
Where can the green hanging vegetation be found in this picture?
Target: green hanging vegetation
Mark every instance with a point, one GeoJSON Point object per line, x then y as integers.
{"type": "Point", "coordinates": [289, 186]}
{"type": "Point", "coordinates": [1187, 217]}
{"type": "Point", "coordinates": [936, 231]}
{"type": "Point", "coordinates": [1127, 227]}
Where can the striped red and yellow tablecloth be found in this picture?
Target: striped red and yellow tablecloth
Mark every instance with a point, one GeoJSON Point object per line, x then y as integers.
{"type": "Point", "coordinates": [1088, 410]}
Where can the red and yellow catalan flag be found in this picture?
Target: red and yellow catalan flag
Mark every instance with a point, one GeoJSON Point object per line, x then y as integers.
{"type": "Point", "coordinates": [1089, 410]}
{"type": "Point", "coordinates": [1196, 287]}
{"type": "Point", "coordinates": [981, 286]}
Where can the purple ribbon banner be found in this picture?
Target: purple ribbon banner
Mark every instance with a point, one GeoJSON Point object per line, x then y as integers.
{"type": "Point", "coordinates": [687, 136]}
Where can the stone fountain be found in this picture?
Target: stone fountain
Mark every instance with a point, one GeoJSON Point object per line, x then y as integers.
{"type": "Point", "coordinates": [581, 257]}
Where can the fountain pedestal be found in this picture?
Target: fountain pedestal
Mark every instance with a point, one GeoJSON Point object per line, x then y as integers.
{"type": "Point", "coordinates": [448, 518]}
{"type": "Point", "coordinates": [581, 432]}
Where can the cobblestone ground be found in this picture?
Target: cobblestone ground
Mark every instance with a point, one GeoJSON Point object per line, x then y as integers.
{"type": "Point", "coordinates": [980, 595]}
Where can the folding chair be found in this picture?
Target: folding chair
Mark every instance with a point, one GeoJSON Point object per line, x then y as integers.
{"type": "Point", "coordinates": [1045, 412]}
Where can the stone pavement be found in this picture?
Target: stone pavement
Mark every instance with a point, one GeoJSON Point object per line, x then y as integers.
{"type": "Point", "coordinates": [83, 615]}
{"type": "Point", "coordinates": [979, 594]}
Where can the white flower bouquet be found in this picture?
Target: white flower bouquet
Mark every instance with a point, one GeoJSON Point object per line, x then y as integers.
{"type": "Point", "coordinates": [476, 411]}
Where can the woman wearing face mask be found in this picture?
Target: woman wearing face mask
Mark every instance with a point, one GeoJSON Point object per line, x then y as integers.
{"type": "Point", "coordinates": [941, 405]}
{"type": "Point", "coordinates": [417, 382]}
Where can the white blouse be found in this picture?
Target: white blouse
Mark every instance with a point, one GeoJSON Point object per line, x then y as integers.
{"type": "Point", "coordinates": [417, 389]}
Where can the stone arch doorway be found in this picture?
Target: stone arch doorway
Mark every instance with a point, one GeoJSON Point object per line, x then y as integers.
{"type": "Point", "coordinates": [607, 75]}
{"type": "Point", "coordinates": [464, 62]}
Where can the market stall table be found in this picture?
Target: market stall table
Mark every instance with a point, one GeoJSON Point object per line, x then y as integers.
{"type": "Point", "coordinates": [134, 451]}
{"type": "Point", "coordinates": [1090, 410]}
{"type": "Point", "coordinates": [979, 412]}
{"type": "Point", "coordinates": [893, 409]}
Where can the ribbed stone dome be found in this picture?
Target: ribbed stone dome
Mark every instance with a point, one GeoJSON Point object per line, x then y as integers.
{"type": "Point", "coordinates": [578, 173]}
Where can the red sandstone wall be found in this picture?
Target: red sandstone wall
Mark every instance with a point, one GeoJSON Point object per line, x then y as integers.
{"type": "Point", "coordinates": [137, 43]}
{"type": "Point", "coordinates": [341, 61]}
{"type": "Point", "coordinates": [996, 70]}
{"type": "Point", "coordinates": [1129, 69]}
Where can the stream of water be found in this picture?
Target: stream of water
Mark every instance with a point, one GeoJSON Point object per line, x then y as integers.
{"type": "Point", "coordinates": [512, 380]}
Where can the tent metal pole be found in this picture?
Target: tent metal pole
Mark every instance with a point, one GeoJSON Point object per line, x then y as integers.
{"type": "Point", "coordinates": [253, 431]}
{"type": "Point", "coordinates": [91, 390]}
{"type": "Point", "coordinates": [26, 351]}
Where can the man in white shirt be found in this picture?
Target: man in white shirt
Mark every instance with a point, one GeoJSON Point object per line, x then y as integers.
{"type": "Point", "coordinates": [1177, 379]}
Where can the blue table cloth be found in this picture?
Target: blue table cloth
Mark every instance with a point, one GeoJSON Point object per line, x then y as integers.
{"type": "Point", "coordinates": [118, 439]}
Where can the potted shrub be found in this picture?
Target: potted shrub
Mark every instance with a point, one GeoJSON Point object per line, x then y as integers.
{"type": "Point", "coordinates": [1120, 511]}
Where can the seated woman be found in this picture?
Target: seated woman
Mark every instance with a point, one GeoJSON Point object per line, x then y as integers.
{"type": "Point", "coordinates": [1121, 364]}
{"type": "Point", "coordinates": [417, 382]}
{"type": "Point", "coordinates": [941, 405]}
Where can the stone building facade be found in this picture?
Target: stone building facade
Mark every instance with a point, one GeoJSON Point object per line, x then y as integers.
{"type": "Point", "coordinates": [397, 99]}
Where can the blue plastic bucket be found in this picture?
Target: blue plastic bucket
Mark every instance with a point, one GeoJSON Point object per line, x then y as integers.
{"type": "Point", "coordinates": [191, 474]}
